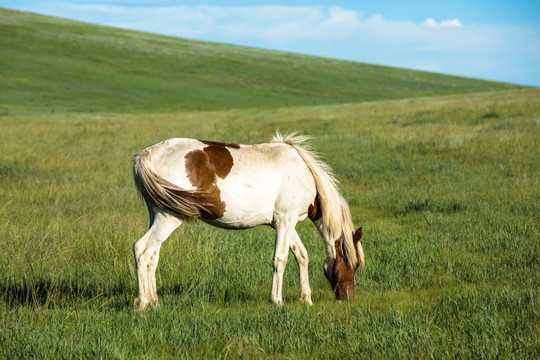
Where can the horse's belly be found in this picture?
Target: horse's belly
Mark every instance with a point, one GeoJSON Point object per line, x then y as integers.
{"type": "Point", "coordinates": [226, 222]}
{"type": "Point", "coordinates": [246, 206]}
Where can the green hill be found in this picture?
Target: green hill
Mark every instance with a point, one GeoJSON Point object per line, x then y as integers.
{"type": "Point", "coordinates": [54, 65]}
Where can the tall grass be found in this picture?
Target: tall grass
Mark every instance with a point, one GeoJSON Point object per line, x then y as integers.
{"type": "Point", "coordinates": [446, 188]}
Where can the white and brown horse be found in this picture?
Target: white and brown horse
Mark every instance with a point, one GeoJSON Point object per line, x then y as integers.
{"type": "Point", "coordinates": [242, 186]}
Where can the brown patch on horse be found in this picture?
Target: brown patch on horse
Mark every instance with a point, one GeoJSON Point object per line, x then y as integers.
{"type": "Point", "coordinates": [221, 160]}
{"type": "Point", "coordinates": [203, 167]}
{"type": "Point", "coordinates": [314, 210]}
{"type": "Point", "coordinates": [216, 143]}
{"type": "Point", "coordinates": [199, 170]}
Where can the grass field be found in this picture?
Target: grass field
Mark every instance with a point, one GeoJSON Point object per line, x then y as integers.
{"type": "Point", "coordinates": [446, 187]}
{"type": "Point", "coordinates": [53, 65]}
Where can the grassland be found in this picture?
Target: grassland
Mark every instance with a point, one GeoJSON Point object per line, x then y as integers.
{"type": "Point", "coordinates": [53, 65]}
{"type": "Point", "coordinates": [446, 187]}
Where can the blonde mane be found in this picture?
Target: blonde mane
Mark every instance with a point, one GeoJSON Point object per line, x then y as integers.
{"type": "Point", "coordinates": [336, 222]}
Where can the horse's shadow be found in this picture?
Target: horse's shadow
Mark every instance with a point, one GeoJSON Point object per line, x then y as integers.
{"type": "Point", "coordinates": [46, 293]}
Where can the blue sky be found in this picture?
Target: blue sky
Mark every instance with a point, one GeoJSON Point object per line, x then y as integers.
{"type": "Point", "coordinates": [495, 40]}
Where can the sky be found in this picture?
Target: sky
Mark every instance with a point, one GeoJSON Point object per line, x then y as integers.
{"type": "Point", "coordinates": [495, 40]}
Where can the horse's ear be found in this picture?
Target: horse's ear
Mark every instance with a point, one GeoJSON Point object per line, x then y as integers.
{"type": "Point", "coordinates": [357, 235]}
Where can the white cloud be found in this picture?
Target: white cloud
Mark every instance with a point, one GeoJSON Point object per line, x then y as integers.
{"type": "Point", "coordinates": [279, 24]}
{"type": "Point", "coordinates": [98, 8]}
{"type": "Point", "coordinates": [308, 23]}
{"type": "Point", "coordinates": [430, 22]}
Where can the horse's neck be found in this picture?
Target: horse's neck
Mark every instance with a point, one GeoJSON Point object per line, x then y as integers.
{"type": "Point", "coordinates": [329, 243]}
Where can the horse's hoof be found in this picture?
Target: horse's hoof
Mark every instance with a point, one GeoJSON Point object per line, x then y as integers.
{"type": "Point", "coordinates": [139, 304]}
{"type": "Point", "coordinates": [306, 299]}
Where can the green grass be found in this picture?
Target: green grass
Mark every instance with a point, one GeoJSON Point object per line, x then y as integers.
{"type": "Point", "coordinates": [444, 180]}
{"type": "Point", "coordinates": [53, 65]}
{"type": "Point", "coordinates": [446, 190]}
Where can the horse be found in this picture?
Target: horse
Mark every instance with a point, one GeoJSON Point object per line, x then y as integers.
{"type": "Point", "coordinates": [235, 186]}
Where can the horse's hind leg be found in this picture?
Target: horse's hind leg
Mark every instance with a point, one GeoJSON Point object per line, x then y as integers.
{"type": "Point", "coordinates": [146, 251]}
{"type": "Point", "coordinates": [301, 256]}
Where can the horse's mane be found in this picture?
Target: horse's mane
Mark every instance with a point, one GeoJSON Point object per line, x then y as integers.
{"type": "Point", "coordinates": [336, 217]}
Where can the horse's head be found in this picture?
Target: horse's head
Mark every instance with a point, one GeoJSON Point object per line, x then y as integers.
{"type": "Point", "coordinates": [339, 274]}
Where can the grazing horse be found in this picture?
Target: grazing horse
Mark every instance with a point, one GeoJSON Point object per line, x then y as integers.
{"type": "Point", "coordinates": [235, 186]}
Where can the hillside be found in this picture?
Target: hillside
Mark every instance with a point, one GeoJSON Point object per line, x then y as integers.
{"type": "Point", "coordinates": [55, 65]}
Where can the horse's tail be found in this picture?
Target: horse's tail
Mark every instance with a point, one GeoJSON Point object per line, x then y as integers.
{"type": "Point", "coordinates": [165, 195]}
{"type": "Point", "coordinates": [336, 217]}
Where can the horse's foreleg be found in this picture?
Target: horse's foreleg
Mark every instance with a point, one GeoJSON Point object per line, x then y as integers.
{"type": "Point", "coordinates": [146, 251]}
{"type": "Point", "coordinates": [301, 256]}
{"type": "Point", "coordinates": [281, 252]}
